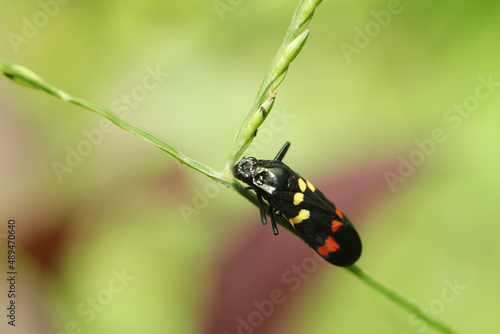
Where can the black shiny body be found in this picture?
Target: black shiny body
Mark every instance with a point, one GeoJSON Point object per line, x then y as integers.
{"type": "Point", "coordinates": [279, 185]}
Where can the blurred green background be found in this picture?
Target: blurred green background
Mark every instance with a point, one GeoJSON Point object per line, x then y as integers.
{"type": "Point", "coordinates": [128, 210]}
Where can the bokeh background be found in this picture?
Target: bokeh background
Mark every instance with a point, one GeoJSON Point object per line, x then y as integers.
{"type": "Point", "coordinates": [127, 240]}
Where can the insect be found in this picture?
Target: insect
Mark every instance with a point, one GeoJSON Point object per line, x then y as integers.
{"type": "Point", "coordinates": [315, 218]}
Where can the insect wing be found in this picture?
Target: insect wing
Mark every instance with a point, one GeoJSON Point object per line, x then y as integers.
{"type": "Point", "coordinates": [318, 222]}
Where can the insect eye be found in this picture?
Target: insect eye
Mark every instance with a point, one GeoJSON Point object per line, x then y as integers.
{"type": "Point", "coordinates": [244, 170]}
{"type": "Point", "coordinates": [248, 165]}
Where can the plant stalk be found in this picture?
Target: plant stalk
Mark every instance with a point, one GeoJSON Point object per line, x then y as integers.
{"type": "Point", "coordinates": [399, 299]}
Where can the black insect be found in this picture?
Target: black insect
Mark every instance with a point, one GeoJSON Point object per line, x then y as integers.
{"type": "Point", "coordinates": [315, 218]}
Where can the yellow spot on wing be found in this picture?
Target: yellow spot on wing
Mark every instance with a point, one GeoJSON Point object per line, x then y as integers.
{"type": "Point", "coordinates": [310, 186]}
{"type": "Point", "coordinates": [302, 185]}
{"type": "Point", "coordinates": [298, 198]}
{"type": "Point", "coordinates": [303, 215]}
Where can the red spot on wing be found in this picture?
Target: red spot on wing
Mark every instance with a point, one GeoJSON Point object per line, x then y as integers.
{"type": "Point", "coordinates": [335, 225]}
{"type": "Point", "coordinates": [337, 211]}
{"type": "Point", "coordinates": [330, 246]}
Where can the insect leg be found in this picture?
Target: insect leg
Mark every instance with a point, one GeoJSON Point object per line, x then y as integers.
{"type": "Point", "coordinates": [262, 208]}
{"type": "Point", "coordinates": [282, 152]}
{"type": "Point", "coordinates": [273, 220]}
